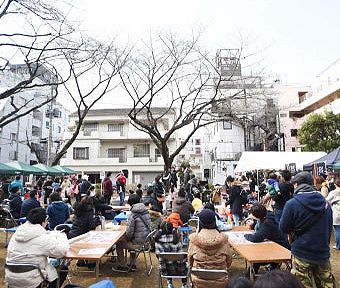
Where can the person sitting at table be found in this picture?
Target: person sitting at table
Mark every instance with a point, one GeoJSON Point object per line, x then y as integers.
{"type": "Point", "coordinates": [32, 244]}
{"type": "Point", "coordinates": [83, 220]}
{"type": "Point", "coordinates": [147, 199]}
{"type": "Point", "coordinates": [29, 204]}
{"type": "Point", "coordinates": [15, 202]}
{"type": "Point", "coordinates": [138, 227]}
{"type": "Point", "coordinates": [183, 207]}
{"type": "Point", "coordinates": [101, 208]}
{"type": "Point", "coordinates": [197, 202]}
{"type": "Point", "coordinates": [209, 249]}
{"type": "Point", "coordinates": [156, 217]}
{"type": "Point", "coordinates": [221, 226]}
{"type": "Point", "coordinates": [58, 211]}
{"type": "Point", "coordinates": [266, 228]}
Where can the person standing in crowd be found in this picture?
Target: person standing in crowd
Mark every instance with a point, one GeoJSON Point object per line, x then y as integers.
{"type": "Point", "coordinates": [29, 204]}
{"type": "Point", "coordinates": [209, 249]}
{"type": "Point", "coordinates": [120, 183]}
{"type": "Point", "coordinates": [158, 192]}
{"type": "Point", "coordinates": [235, 202]}
{"type": "Point", "coordinates": [286, 192]}
{"type": "Point", "coordinates": [84, 186]}
{"type": "Point", "coordinates": [331, 180]}
{"type": "Point", "coordinates": [206, 194]}
{"type": "Point", "coordinates": [216, 195]}
{"type": "Point", "coordinates": [183, 207]}
{"type": "Point", "coordinates": [148, 199]}
{"type": "Point", "coordinates": [321, 186]}
{"type": "Point", "coordinates": [58, 212]}
{"type": "Point", "coordinates": [65, 189]}
{"type": "Point", "coordinates": [55, 184]}
{"type": "Point", "coordinates": [197, 202]}
{"type": "Point", "coordinates": [138, 227]}
{"type": "Point", "coordinates": [5, 184]}
{"type": "Point", "coordinates": [47, 187]}
{"type": "Point", "coordinates": [15, 202]}
{"type": "Point", "coordinates": [32, 244]}
{"type": "Point", "coordinates": [308, 217]}
{"type": "Point", "coordinates": [15, 183]}
{"type": "Point", "coordinates": [107, 188]}
{"type": "Point", "coordinates": [334, 199]}
{"type": "Point", "coordinates": [173, 177]}
{"type": "Point", "coordinates": [139, 190]}
{"type": "Point", "coordinates": [228, 183]}
{"type": "Point", "coordinates": [192, 188]}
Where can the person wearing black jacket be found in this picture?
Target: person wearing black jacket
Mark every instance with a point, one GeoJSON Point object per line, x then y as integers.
{"type": "Point", "coordinates": [265, 228]}
{"type": "Point", "coordinates": [286, 192]}
{"type": "Point", "coordinates": [15, 202]}
{"type": "Point", "coordinates": [84, 219]}
{"type": "Point", "coordinates": [173, 177]}
{"type": "Point", "coordinates": [47, 187]}
{"type": "Point", "coordinates": [101, 208]}
{"type": "Point", "coordinates": [235, 202]}
{"type": "Point", "coordinates": [29, 204]}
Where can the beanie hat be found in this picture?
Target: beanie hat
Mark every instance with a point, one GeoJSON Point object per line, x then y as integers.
{"type": "Point", "coordinates": [303, 178]}
{"type": "Point", "coordinates": [207, 219]}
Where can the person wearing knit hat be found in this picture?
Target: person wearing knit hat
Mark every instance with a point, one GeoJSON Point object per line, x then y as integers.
{"type": "Point", "coordinates": [209, 249]}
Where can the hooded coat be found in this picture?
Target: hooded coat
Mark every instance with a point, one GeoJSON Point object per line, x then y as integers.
{"type": "Point", "coordinates": [136, 230]}
{"type": "Point", "coordinates": [31, 243]}
{"type": "Point", "coordinates": [184, 208]}
{"type": "Point", "coordinates": [156, 219]}
{"type": "Point", "coordinates": [175, 219]}
{"type": "Point", "coordinates": [15, 203]}
{"type": "Point", "coordinates": [209, 249]}
{"type": "Point", "coordinates": [58, 212]}
{"type": "Point", "coordinates": [29, 204]}
{"type": "Point", "coordinates": [313, 244]}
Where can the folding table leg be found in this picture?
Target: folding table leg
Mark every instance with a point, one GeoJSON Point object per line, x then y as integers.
{"type": "Point", "coordinates": [97, 270]}
{"type": "Point", "coordinates": [58, 271]}
{"type": "Point", "coordinates": [251, 272]}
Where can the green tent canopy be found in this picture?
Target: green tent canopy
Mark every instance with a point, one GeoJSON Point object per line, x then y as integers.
{"type": "Point", "coordinates": [7, 170]}
{"type": "Point", "coordinates": [23, 168]}
{"type": "Point", "coordinates": [336, 166]}
{"type": "Point", "coordinates": [64, 169]}
{"type": "Point", "coordinates": [48, 170]}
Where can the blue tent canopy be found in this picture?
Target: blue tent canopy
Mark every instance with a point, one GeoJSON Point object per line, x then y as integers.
{"type": "Point", "coordinates": [330, 159]}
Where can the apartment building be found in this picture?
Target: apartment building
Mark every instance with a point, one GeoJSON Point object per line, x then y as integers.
{"type": "Point", "coordinates": [109, 142]}
{"type": "Point", "coordinates": [28, 137]}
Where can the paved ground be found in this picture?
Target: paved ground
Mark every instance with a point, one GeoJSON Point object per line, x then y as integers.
{"type": "Point", "coordinates": [138, 279]}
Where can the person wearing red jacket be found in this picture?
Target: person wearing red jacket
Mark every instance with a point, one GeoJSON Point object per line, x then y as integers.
{"type": "Point", "coordinates": [107, 188]}
{"type": "Point", "coordinates": [120, 183]}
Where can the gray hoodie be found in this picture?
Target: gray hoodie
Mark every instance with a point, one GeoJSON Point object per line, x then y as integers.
{"type": "Point", "coordinates": [136, 230]}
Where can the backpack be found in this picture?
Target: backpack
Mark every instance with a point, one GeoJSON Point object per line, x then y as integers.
{"type": "Point", "coordinates": [244, 197]}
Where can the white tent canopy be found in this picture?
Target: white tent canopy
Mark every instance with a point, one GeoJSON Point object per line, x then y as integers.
{"type": "Point", "coordinates": [274, 160]}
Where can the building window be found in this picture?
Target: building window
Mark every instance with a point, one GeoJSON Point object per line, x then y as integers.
{"type": "Point", "coordinates": [13, 138]}
{"type": "Point", "coordinates": [91, 126]}
{"type": "Point", "coordinates": [293, 132]}
{"type": "Point", "coordinates": [197, 141]}
{"type": "Point", "coordinates": [141, 150]}
{"type": "Point", "coordinates": [117, 153]}
{"type": "Point", "coordinates": [157, 152]}
{"type": "Point", "coordinates": [198, 150]}
{"type": "Point", "coordinates": [115, 127]}
{"type": "Point", "coordinates": [81, 153]}
{"type": "Point", "coordinates": [181, 156]}
{"type": "Point", "coordinates": [293, 149]}
{"type": "Point", "coordinates": [227, 125]}
{"type": "Point", "coordinates": [59, 129]}
{"type": "Point", "coordinates": [47, 125]}
{"type": "Point", "coordinates": [283, 115]}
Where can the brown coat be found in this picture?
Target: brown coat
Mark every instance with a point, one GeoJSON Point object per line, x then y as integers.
{"type": "Point", "coordinates": [209, 249]}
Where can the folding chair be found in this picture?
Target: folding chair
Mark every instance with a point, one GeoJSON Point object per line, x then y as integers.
{"type": "Point", "coordinates": [7, 218]}
{"type": "Point", "coordinates": [167, 256]}
{"type": "Point", "coordinates": [24, 267]}
{"type": "Point", "coordinates": [207, 274]}
{"type": "Point", "coordinates": [185, 231]}
{"type": "Point", "coordinates": [145, 248]}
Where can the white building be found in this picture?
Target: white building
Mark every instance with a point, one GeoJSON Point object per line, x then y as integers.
{"type": "Point", "coordinates": [33, 127]}
{"type": "Point", "coordinates": [109, 142]}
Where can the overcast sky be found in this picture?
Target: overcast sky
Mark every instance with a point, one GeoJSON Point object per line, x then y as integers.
{"type": "Point", "coordinates": [299, 38]}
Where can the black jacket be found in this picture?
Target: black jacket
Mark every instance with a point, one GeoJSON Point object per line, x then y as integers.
{"type": "Point", "coordinates": [235, 200]}
{"type": "Point", "coordinates": [83, 221]}
{"type": "Point", "coordinates": [286, 190]}
{"type": "Point", "coordinates": [158, 188]}
{"type": "Point", "coordinates": [99, 205]}
{"type": "Point", "coordinates": [183, 208]}
{"type": "Point", "coordinates": [268, 229]}
{"type": "Point", "coordinates": [29, 204]}
{"type": "Point", "coordinates": [15, 203]}
{"type": "Point", "coordinates": [47, 184]}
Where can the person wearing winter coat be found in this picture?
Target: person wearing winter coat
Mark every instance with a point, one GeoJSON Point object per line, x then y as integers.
{"type": "Point", "coordinates": [58, 212]}
{"type": "Point", "coordinates": [65, 189]}
{"type": "Point", "coordinates": [175, 219]}
{"type": "Point", "coordinates": [120, 184]}
{"type": "Point", "coordinates": [15, 202]}
{"type": "Point", "coordinates": [15, 183]}
{"type": "Point", "coordinates": [29, 204]}
{"type": "Point", "coordinates": [101, 208]}
{"type": "Point", "coordinates": [209, 249]}
{"type": "Point", "coordinates": [235, 202]}
{"type": "Point", "coordinates": [83, 221]}
{"type": "Point", "coordinates": [266, 228]}
{"type": "Point", "coordinates": [334, 199]}
{"type": "Point", "coordinates": [310, 248]}
{"type": "Point", "coordinates": [156, 217]}
{"type": "Point", "coordinates": [32, 244]}
{"type": "Point", "coordinates": [138, 228]}
{"type": "Point", "coordinates": [216, 195]}
{"type": "Point", "coordinates": [147, 199]}
{"type": "Point", "coordinates": [167, 240]}
{"type": "Point", "coordinates": [47, 187]}
{"type": "Point", "coordinates": [107, 188]}
{"type": "Point", "coordinates": [183, 207]}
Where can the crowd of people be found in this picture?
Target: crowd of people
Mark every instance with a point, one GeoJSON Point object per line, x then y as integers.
{"type": "Point", "coordinates": [289, 211]}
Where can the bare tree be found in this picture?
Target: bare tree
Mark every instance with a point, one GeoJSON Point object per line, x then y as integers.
{"type": "Point", "coordinates": [93, 70]}
{"type": "Point", "coordinates": [41, 35]}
